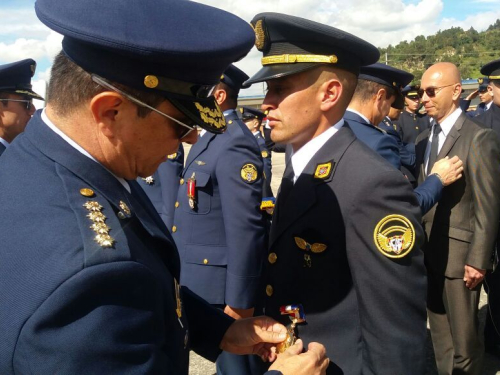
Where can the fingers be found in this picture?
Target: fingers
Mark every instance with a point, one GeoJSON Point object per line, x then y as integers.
{"type": "Point", "coordinates": [295, 348]}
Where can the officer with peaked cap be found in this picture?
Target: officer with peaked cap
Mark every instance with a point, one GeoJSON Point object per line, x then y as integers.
{"type": "Point", "coordinates": [411, 122]}
{"type": "Point", "coordinates": [491, 119]}
{"type": "Point", "coordinates": [252, 118]}
{"type": "Point", "coordinates": [16, 98]}
{"type": "Point", "coordinates": [378, 90]}
{"type": "Point", "coordinates": [344, 257]}
{"type": "Point", "coordinates": [485, 93]}
{"type": "Point", "coordinates": [218, 226]}
{"type": "Point", "coordinates": [89, 273]}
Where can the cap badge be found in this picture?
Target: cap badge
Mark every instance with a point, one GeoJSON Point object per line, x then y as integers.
{"type": "Point", "coordinates": [265, 154]}
{"type": "Point", "coordinates": [323, 171]}
{"type": "Point", "coordinates": [260, 35]}
{"type": "Point", "coordinates": [394, 236]}
{"type": "Point", "coordinates": [149, 180]}
{"type": "Point", "coordinates": [249, 173]}
{"type": "Point", "coordinates": [222, 77]}
{"type": "Point", "coordinates": [211, 117]}
{"type": "Point", "coordinates": [480, 81]}
{"type": "Point", "coordinates": [151, 81]}
{"type": "Point", "coordinates": [172, 156]}
{"type": "Point", "coordinates": [98, 224]}
{"type": "Point", "coordinates": [316, 248]}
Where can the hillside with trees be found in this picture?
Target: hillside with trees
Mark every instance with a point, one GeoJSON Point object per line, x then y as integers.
{"type": "Point", "coordinates": [468, 49]}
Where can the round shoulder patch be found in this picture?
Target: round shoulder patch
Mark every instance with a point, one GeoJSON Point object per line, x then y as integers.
{"type": "Point", "coordinates": [249, 173]}
{"type": "Point", "coordinates": [394, 236]}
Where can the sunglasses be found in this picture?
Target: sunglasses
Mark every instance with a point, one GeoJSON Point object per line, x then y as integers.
{"type": "Point", "coordinates": [182, 131]}
{"type": "Point", "coordinates": [432, 91]}
{"type": "Point", "coordinates": [28, 102]}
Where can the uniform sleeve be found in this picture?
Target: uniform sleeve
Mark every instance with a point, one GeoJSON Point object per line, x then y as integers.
{"type": "Point", "coordinates": [388, 148]}
{"type": "Point", "coordinates": [106, 319]}
{"type": "Point", "coordinates": [428, 193]}
{"type": "Point", "coordinates": [484, 171]}
{"type": "Point", "coordinates": [243, 221]}
{"type": "Point", "coordinates": [391, 292]}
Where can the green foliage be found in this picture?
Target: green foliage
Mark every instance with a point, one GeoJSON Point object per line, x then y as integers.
{"type": "Point", "coordinates": [468, 49]}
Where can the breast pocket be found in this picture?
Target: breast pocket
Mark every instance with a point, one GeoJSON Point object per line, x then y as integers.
{"type": "Point", "coordinates": [203, 194]}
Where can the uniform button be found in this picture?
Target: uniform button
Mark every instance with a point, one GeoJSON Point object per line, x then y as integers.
{"type": "Point", "coordinates": [174, 229]}
{"type": "Point", "coordinates": [182, 181]}
{"type": "Point", "coordinates": [269, 290]}
{"type": "Point", "coordinates": [205, 261]}
{"type": "Point", "coordinates": [272, 258]}
{"type": "Point", "coordinates": [176, 204]}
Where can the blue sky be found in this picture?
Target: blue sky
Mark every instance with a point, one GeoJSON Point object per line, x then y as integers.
{"type": "Point", "coordinates": [381, 22]}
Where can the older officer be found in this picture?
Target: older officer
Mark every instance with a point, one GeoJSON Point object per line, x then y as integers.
{"type": "Point", "coordinates": [253, 120]}
{"type": "Point", "coordinates": [345, 238]}
{"type": "Point", "coordinates": [16, 98]}
{"type": "Point", "coordinates": [88, 277]}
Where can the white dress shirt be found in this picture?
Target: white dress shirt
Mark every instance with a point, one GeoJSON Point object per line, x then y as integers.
{"type": "Point", "coordinates": [303, 156]}
{"type": "Point", "coordinates": [4, 142]}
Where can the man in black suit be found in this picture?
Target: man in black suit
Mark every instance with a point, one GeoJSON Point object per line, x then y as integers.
{"type": "Point", "coordinates": [462, 227]}
{"type": "Point", "coordinates": [346, 235]}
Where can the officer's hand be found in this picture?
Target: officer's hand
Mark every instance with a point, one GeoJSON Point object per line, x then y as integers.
{"type": "Point", "coordinates": [257, 335]}
{"type": "Point", "coordinates": [472, 95]}
{"type": "Point", "coordinates": [238, 313]}
{"type": "Point", "coordinates": [473, 276]}
{"type": "Point", "coordinates": [294, 362]}
{"type": "Point", "coordinates": [448, 169]}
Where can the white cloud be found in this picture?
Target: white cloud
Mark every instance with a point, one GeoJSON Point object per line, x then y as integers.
{"type": "Point", "coordinates": [36, 49]}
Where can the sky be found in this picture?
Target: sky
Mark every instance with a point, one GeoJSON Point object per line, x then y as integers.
{"type": "Point", "coordinates": [380, 22]}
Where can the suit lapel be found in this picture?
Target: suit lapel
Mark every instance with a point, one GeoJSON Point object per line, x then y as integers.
{"type": "Point", "coordinates": [420, 148]}
{"type": "Point", "coordinates": [452, 137]}
{"type": "Point", "coordinates": [303, 195]}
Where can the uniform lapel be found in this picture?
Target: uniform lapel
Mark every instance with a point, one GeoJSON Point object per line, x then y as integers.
{"type": "Point", "coordinates": [303, 194]}
{"type": "Point", "coordinates": [198, 148]}
{"type": "Point", "coordinates": [452, 137]}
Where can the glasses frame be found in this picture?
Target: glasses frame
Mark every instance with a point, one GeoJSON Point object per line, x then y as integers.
{"type": "Point", "coordinates": [434, 91]}
{"type": "Point", "coordinates": [29, 102]}
{"type": "Point", "coordinates": [101, 82]}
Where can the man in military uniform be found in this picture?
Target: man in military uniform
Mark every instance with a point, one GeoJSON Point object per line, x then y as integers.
{"type": "Point", "coordinates": [218, 226]}
{"type": "Point", "coordinates": [411, 122]}
{"type": "Point", "coordinates": [345, 238]}
{"type": "Point", "coordinates": [485, 94]}
{"type": "Point", "coordinates": [89, 274]}
{"type": "Point", "coordinates": [253, 120]}
{"type": "Point", "coordinates": [16, 98]}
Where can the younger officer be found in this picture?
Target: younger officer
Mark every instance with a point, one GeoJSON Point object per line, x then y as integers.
{"type": "Point", "coordinates": [346, 235]}
{"type": "Point", "coordinates": [253, 120]}
{"type": "Point", "coordinates": [89, 274]}
{"type": "Point", "coordinates": [16, 98]}
{"type": "Point", "coordinates": [411, 122]}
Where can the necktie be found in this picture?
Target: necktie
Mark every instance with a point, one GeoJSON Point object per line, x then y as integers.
{"type": "Point", "coordinates": [434, 147]}
{"type": "Point", "coordinates": [285, 188]}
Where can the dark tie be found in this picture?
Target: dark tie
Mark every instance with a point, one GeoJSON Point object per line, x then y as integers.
{"type": "Point", "coordinates": [434, 146]}
{"type": "Point", "coordinates": [286, 187]}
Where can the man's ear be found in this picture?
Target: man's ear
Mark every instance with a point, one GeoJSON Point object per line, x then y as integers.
{"type": "Point", "coordinates": [330, 93]}
{"type": "Point", "coordinates": [457, 92]}
{"type": "Point", "coordinates": [105, 108]}
{"type": "Point", "coordinates": [220, 96]}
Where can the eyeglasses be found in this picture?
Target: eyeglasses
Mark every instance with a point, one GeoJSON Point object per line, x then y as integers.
{"type": "Point", "coordinates": [181, 133]}
{"type": "Point", "coordinates": [432, 91]}
{"type": "Point", "coordinates": [29, 102]}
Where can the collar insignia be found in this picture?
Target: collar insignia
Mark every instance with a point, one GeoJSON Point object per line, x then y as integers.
{"type": "Point", "coordinates": [323, 171]}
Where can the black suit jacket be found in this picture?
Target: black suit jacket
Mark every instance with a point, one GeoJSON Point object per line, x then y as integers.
{"type": "Point", "coordinates": [462, 227]}
{"type": "Point", "coordinates": [366, 308]}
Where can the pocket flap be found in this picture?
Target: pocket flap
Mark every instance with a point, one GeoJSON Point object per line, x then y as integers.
{"type": "Point", "coordinates": [460, 234]}
{"type": "Point", "coordinates": [205, 255]}
{"type": "Point", "coordinates": [202, 178]}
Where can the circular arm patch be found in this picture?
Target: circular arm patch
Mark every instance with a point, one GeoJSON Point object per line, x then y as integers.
{"type": "Point", "coordinates": [249, 173]}
{"type": "Point", "coordinates": [394, 236]}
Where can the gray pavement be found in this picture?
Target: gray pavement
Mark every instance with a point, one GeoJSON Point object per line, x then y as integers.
{"type": "Point", "coordinates": [200, 366]}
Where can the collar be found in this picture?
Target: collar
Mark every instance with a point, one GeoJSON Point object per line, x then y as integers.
{"type": "Point", "coordinates": [4, 142]}
{"type": "Point", "coordinates": [256, 132]}
{"type": "Point", "coordinates": [301, 158]}
{"type": "Point", "coordinates": [449, 121]}
{"type": "Point", "coordinates": [360, 115]}
{"type": "Point", "coordinates": [76, 146]}
{"type": "Point", "coordinates": [488, 105]}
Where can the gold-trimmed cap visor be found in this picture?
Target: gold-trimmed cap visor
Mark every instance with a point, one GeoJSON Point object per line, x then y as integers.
{"type": "Point", "coordinates": [203, 112]}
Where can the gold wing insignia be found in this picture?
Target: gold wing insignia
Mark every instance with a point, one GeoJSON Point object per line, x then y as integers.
{"type": "Point", "coordinates": [301, 243]}
{"type": "Point", "coordinates": [383, 243]}
{"type": "Point", "coordinates": [318, 247]}
{"type": "Point", "coordinates": [407, 238]}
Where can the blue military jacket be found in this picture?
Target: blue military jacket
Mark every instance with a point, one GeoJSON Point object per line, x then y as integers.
{"type": "Point", "coordinates": [491, 118]}
{"type": "Point", "coordinates": [406, 152]}
{"type": "Point", "coordinates": [221, 240]}
{"type": "Point", "coordinates": [376, 139]}
{"type": "Point", "coordinates": [2, 148]}
{"type": "Point", "coordinates": [266, 158]}
{"type": "Point", "coordinates": [161, 188]}
{"type": "Point", "coordinates": [410, 125]}
{"type": "Point", "coordinates": [72, 304]}
{"type": "Point", "coordinates": [326, 253]}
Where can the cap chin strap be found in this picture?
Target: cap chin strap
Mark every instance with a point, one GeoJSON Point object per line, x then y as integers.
{"type": "Point", "coordinates": [292, 59]}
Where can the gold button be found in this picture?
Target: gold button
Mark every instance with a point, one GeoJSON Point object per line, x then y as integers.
{"type": "Point", "coordinates": [272, 258]}
{"type": "Point", "coordinates": [205, 261]}
{"type": "Point", "coordinates": [174, 229]}
{"type": "Point", "coordinates": [269, 290]}
{"type": "Point", "coordinates": [182, 181]}
{"type": "Point", "coordinates": [86, 192]}
{"type": "Point", "coordinates": [230, 122]}
{"type": "Point", "coordinates": [176, 204]}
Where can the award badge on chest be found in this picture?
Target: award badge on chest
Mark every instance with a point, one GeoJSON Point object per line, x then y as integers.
{"type": "Point", "coordinates": [191, 191]}
{"type": "Point", "coordinates": [296, 315]}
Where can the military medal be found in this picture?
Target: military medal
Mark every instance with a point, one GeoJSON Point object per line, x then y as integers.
{"type": "Point", "coordinates": [149, 180]}
{"type": "Point", "coordinates": [315, 248]}
{"type": "Point", "coordinates": [297, 315]}
{"type": "Point", "coordinates": [178, 308]}
{"type": "Point", "coordinates": [191, 191]}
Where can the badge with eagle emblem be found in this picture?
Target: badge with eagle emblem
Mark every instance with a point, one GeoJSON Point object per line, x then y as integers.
{"type": "Point", "coordinates": [394, 236]}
